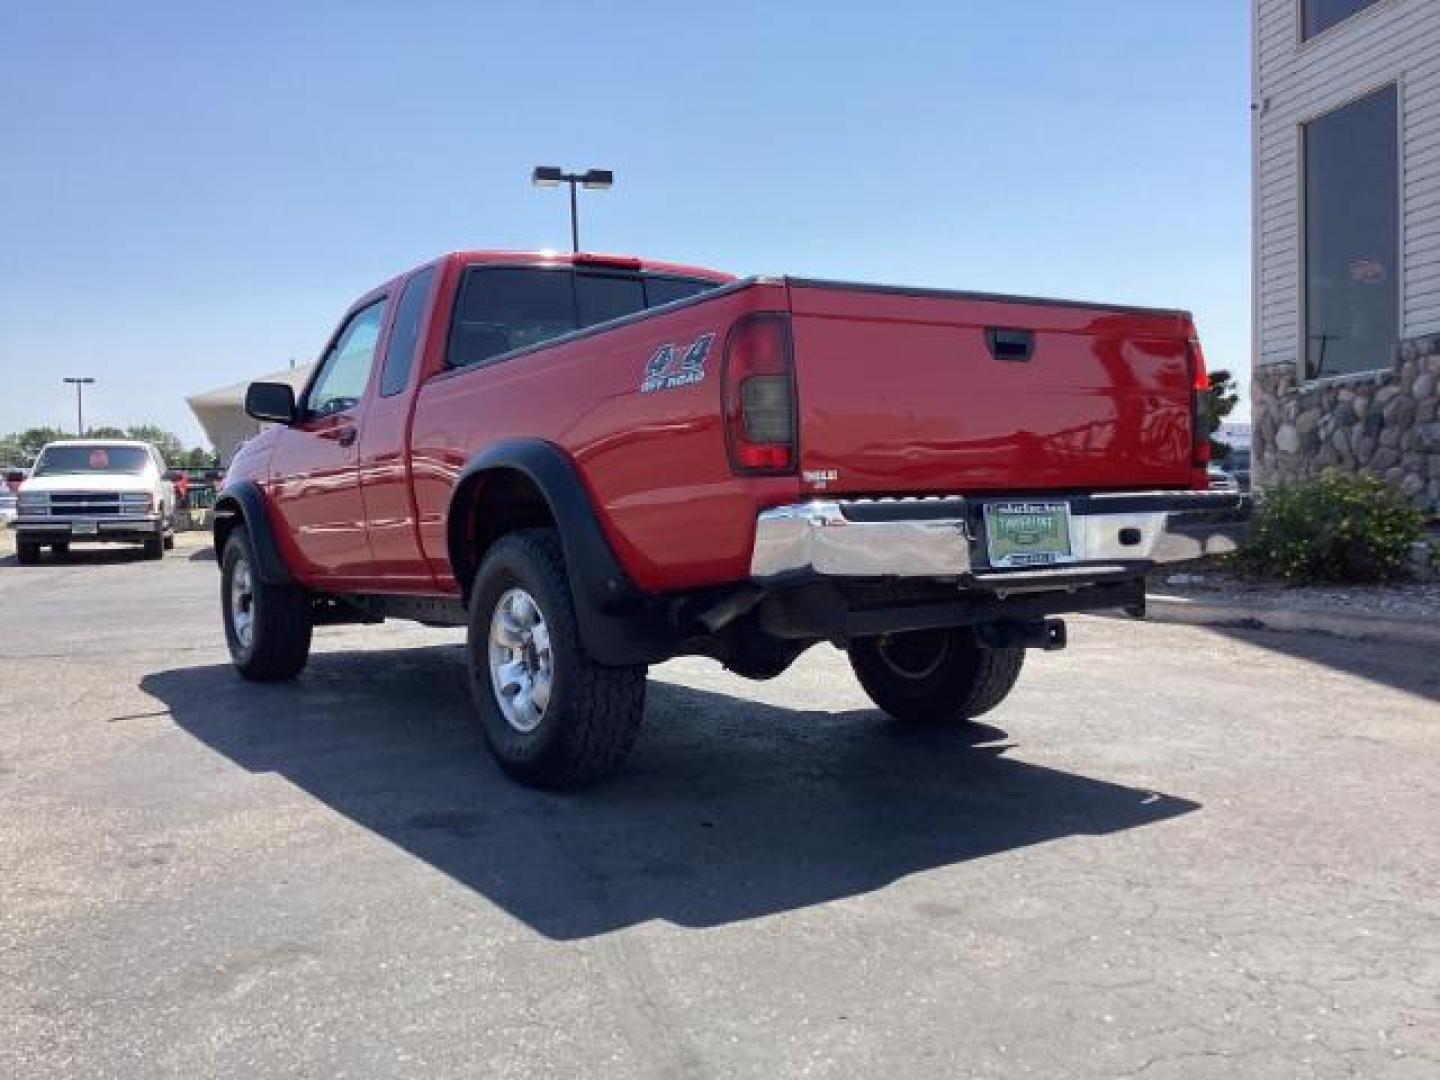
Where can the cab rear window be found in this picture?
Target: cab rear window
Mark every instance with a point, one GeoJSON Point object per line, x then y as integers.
{"type": "Point", "coordinates": [73, 460]}
{"type": "Point", "coordinates": [501, 309]}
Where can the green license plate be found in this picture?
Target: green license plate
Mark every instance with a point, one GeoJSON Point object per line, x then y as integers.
{"type": "Point", "coordinates": [1028, 534]}
{"type": "Point", "coordinates": [84, 528]}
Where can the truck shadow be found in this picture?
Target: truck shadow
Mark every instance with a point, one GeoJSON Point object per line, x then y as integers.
{"type": "Point", "coordinates": [729, 810]}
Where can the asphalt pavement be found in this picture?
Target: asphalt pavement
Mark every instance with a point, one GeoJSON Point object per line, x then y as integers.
{"type": "Point", "coordinates": [1175, 851]}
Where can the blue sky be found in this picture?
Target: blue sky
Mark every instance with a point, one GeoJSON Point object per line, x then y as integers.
{"type": "Point", "coordinates": [190, 193]}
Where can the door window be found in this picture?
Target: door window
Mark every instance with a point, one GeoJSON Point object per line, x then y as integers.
{"type": "Point", "coordinates": [405, 333]}
{"type": "Point", "coordinates": [346, 369]}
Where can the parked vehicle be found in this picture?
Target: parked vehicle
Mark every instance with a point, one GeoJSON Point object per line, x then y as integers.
{"type": "Point", "coordinates": [1237, 464]}
{"type": "Point", "coordinates": [96, 491]}
{"type": "Point", "coordinates": [595, 464]}
{"type": "Point", "coordinates": [8, 500]}
{"type": "Point", "coordinates": [1220, 480]}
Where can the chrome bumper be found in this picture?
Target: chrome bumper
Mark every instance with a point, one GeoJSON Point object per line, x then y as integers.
{"type": "Point", "coordinates": [112, 524]}
{"type": "Point", "coordinates": [939, 537]}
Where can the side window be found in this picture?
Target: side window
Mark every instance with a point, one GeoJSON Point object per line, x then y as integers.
{"type": "Point", "coordinates": [346, 369]}
{"type": "Point", "coordinates": [1352, 237]}
{"type": "Point", "coordinates": [405, 333]}
{"type": "Point", "coordinates": [666, 290]}
{"type": "Point", "coordinates": [505, 308]}
{"type": "Point", "coordinates": [601, 297]}
{"type": "Point", "coordinates": [1319, 15]}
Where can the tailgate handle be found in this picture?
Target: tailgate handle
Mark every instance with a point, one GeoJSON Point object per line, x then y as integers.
{"type": "Point", "coordinates": [1013, 345]}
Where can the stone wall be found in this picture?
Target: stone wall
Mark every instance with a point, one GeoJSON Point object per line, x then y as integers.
{"type": "Point", "coordinates": [1384, 423]}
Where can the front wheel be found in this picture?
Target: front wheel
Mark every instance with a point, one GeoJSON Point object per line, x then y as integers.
{"type": "Point", "coordinates": [27, 553]}
{"type": "Point", "coordinates": [553, 716]}
{"type": "Point", "coordinates": [267, 627]}
{"type": "Point", "coordinates": [934, 676]}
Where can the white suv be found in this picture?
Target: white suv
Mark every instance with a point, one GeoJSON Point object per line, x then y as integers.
{"type": "Point", "coordinates": [96, 491]}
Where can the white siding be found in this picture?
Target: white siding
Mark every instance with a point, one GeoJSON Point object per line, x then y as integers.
{"type": "Point", "coordinates": [1393, 41]}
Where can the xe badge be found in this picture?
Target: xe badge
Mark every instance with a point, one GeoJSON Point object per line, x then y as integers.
{"type": "Point", "coordinates": [669, 368]}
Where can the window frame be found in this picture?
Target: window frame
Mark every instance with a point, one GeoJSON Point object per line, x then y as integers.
{"type": "Point", "coordinates": [382, 300]}
{"type": "Point", "coordinates": [1302, 245]}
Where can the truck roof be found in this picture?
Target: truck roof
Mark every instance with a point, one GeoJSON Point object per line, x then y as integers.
{"type": "Point", "coordinates": [97, 442]}
{"type": "Point", "coordinates": [591, 259]}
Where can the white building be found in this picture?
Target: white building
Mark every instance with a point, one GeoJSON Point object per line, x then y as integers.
{"type": "Point", "coordinates": [221, 411]}
{"type": "Point", "coordinates": [1347, 240]}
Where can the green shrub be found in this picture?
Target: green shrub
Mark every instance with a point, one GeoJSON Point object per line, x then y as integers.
{"type": "Point", "coordinates": [1337, 527]}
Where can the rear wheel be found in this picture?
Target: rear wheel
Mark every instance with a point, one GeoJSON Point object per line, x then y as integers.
{"type": "Point", "coordinates": [154, 546]}
{"type": "Point", "coordinates": [267, 627]}
{"type": "Point", "coordinates": [60, 549]}
{"type": "Point", "coordinates": [27, 553]}
{"type": "Point", "coordinates": [553, 716]}
{"type": "Point", "coordinates": [934, 676]}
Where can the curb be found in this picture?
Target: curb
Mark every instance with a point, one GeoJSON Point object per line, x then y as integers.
{"type": "Point", "coordinates": [1416, 630]}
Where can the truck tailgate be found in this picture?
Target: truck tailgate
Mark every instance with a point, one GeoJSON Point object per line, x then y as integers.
{"type": "Point", "coordinates": [923, 392]}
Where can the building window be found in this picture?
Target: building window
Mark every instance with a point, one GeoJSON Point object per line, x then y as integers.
{"type": "Point", "coordinates": [1317, 16]}
{"type": "Point", "coordinates": [1352, 237]}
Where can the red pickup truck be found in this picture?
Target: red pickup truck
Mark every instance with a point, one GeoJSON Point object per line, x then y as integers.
{"type": "Point", "coordinates": [596, 463]}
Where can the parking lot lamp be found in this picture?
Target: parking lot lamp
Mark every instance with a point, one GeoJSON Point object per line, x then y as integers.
{"type": "Point", "coordinates": [79, 383]}
{"type": "Point", "coordinates": [554, 176]}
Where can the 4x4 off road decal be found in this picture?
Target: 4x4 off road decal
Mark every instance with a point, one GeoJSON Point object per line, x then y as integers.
{"type": "Point", "coordinates": [669, 368]}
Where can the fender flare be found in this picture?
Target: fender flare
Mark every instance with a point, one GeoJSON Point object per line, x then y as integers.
{"type": "Point", "coordinates": [618, 623]}
{"type": "Point", "coordinates": [244, 499]}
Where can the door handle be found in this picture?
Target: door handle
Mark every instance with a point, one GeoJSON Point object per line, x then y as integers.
{"type": "Point", "coordinates": [1016, 346]}
{"type": "Point", "coordinates": [345, 436]}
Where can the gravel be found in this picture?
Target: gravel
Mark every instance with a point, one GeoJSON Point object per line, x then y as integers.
{"type": "Point", "coordinates": [1407, 600]}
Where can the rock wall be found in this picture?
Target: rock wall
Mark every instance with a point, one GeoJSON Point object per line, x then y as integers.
{"type": "Point", "coordinates": [1384, 423]}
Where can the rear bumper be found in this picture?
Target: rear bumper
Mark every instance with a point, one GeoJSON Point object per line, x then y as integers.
{"type": "Point", "coordinates": [53, 530]}
{"type": "Point", "coordinates": [1113, 536]}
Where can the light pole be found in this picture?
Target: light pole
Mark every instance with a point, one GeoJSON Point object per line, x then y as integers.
{"type": "Point", "coordinates": [79, 384]}
{"type": "Point", "coordinates": [553, 176]}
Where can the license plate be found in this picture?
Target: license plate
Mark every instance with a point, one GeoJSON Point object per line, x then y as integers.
{"type": "Point", "coordinates": [84, 528]}
{"type": "Point", "coordinates": [1028, 534]}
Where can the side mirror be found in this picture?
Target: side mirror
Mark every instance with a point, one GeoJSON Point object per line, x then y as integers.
{"type": "Point", "coordinates": [271, 401]}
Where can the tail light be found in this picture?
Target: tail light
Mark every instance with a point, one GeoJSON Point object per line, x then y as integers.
{"type": "Point", "coordinates": [759, 395]}
{"type": "Point", "coordinates": [1199, 413]}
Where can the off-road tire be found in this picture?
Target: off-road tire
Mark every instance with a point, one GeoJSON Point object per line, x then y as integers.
{"type": "Point", "coordinates": [954, 679]}
{"type": "Point", "coordinates": [281, 624]}
{"type": "Point", "coordinates": [26, 553]}
{"type": "Point", "coordinates": [592, 718]}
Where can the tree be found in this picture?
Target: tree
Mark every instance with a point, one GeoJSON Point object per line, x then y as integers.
{"type": "Point", "coordinates": [170, 447]}
{"type": "Point", "coordinates": [1219, 403]}
{"type": "Point", "coordinates": [198, 458]}
{"type": "Point", "coordinates": [20, 449]}
{"type": "Point", "coordinates": [23, 447]}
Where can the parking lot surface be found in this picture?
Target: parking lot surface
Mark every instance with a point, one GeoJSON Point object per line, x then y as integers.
{"type": "Point", "coordinates": [1173, 852]}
